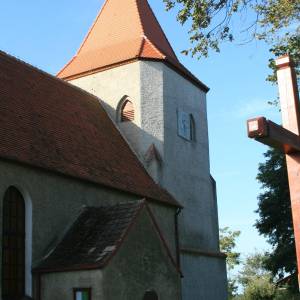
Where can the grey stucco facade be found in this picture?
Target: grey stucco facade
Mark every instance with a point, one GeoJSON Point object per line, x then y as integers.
{"type": "Point", "coordinates": [54, 201]}
{"type": "Point", "coordinates": [158, 92]}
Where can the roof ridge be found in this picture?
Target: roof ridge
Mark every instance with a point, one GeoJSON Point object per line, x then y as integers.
{"type": "Point", "coordinates": [92, 27]}
{"type": "Point", "coordinates": [154, 16]}
{"type": "Point", "coordinates": [140, 19]}
{"type": "Point", "coordinates": [163, 56]}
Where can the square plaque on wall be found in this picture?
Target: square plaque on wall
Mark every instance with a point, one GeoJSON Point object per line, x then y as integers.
{"type": "Point", "coordinates": [184, 125]}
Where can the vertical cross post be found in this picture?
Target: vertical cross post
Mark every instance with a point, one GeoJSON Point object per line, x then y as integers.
{"type": "Point", "coordinates": [289, 103]}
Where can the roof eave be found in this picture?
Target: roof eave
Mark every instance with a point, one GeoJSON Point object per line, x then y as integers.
{"type": "Point", "coordinates": [185, 73]}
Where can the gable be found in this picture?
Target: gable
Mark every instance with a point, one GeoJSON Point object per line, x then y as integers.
{"type": "Point", "coordinates": [142, 263]}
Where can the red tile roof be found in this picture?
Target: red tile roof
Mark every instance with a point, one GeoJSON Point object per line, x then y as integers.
{"type": "Point", "coordinates": [123, 31]}
{"type": "Point", "coordinates": [48, 123]}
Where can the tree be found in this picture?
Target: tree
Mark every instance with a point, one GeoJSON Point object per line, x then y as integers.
{"type": "Point", "coordinates": [212, 22]}
{"type": "Point", "coordinates": [258, 282]}
{"type": "Point", "coordinates": [274, 209]}
{"type": "Point", "coordinates": [260, 289]}
{"type": "Point", "coordinates": [256, 279]}
{"type": "Point", "coordinates": [253, 267]}
{"type": "Point", "coordinates": [227, 245]}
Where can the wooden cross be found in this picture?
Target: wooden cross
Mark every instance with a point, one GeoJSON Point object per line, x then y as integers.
{"type": "Point", "coordinates": [285, 137]}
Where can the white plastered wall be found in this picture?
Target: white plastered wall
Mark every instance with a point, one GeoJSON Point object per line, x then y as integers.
{"type": "Point", "coordinates": [157, 93]}
{"type": "Point", "coordinates": [111, 86]}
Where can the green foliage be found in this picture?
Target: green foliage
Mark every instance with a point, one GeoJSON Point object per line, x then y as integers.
{"type": "Point", "coordinates": [259, 289]}
{"type": "Point", "coordinates": [211, 22]}
{"type": "Point", "coordinates": [254, 267]}
{"type": "Point", "coordinates": [227, 245]}
{"type": "Point", "coordinates": [285, 294]}
{"type": "Point", "coordinates": [258, 282]}
{"type": "Point", "coordinates": [274, 209]}
{"type": "Point", "coordinates": [256, 279]}
{"type": "Point", "coordinates": [289, 45]}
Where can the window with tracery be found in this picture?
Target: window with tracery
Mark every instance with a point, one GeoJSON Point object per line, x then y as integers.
{"type": "Point", "coordinates": [13, 246]}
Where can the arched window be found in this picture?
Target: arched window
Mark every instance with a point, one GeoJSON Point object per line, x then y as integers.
{"type": "Point", "coordinates": [13, 246]}
{"type": "Point", "coordinates": [127, 111]}
{"type": "Point", "coordinates": [150, 295]}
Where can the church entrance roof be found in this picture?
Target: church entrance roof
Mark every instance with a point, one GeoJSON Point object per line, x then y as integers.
{"type": "Point", "coordinates": [96, 236]}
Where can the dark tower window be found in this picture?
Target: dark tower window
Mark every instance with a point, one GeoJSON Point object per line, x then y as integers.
{"type": "Point", "coordinates": [127, 111]}
{"type": "Point", "coordinates": [13, 246]}
{"type": "Point", "coordinates": [150, 295]}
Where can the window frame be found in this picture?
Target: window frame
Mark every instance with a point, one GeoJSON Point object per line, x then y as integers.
{"type": "Point", "coordinates": [192, 124]}
{"type": "Point", "coordinates": [88, 290]}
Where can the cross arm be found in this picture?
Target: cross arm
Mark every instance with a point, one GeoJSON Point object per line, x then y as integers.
{"type": "Point", "coordinates": [271, 134]}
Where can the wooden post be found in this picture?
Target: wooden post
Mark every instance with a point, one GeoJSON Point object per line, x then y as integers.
{"type": "Point", "coordinates": [289, 103]}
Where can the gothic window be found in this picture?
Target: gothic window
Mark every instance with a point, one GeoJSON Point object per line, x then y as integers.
{"type": "Point", "coordinates": [150, 295]}
{"type": "Point", "coordinates": [127, 111]}
{"type": "Point", "coordinates": [13, 246]}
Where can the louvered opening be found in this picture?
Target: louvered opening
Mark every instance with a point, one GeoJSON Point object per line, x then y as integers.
{"type": "Point", "coordinates": [127, 112]}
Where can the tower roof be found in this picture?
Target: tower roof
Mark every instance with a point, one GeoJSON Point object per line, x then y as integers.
{"type": "Point", "coordinates": [123, 31]}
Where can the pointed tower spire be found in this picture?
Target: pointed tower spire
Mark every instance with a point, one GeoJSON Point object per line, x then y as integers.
{"type": "Point", "coordinates": [123, 31]}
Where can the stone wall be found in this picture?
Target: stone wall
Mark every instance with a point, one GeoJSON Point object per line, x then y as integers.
{"type": "Point", "coordinates": [60, 285]}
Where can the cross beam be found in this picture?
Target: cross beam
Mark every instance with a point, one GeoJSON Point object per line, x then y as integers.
{"type": "Point", "coordinates": [273, 135]}
{"type": "Point", "coordinates": [286, 138]}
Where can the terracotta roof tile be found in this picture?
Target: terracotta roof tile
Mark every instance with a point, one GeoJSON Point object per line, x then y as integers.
{"type": "Point", "coordinates": [123, 31]}
{"type": "Point", "coordinates": [48, 123]}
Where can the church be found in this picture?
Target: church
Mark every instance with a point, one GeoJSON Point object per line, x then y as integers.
{"type": "Point", "coordinates": [105, 184]}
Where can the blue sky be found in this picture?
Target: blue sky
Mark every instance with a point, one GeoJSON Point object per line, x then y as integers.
{"type": "Point", "coordinates": [47, 33]}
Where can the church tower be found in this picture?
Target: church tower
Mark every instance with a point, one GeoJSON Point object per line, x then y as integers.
{"type": "Point", "coordinates": [160, 108]}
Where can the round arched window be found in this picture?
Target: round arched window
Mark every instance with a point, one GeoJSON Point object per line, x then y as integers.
{"type": "Point", "coordinates": [13, 245]}
{"type": "Point", "coordinates": [127, 111]}
{"type": "Point", "coordinates": [150, 295]}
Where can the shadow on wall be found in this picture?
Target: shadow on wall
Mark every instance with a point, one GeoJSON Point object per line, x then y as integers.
{"type": "Point", "coordinates": [147, 147]}
{"type": "Point", "coordinates": [160, 160]}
